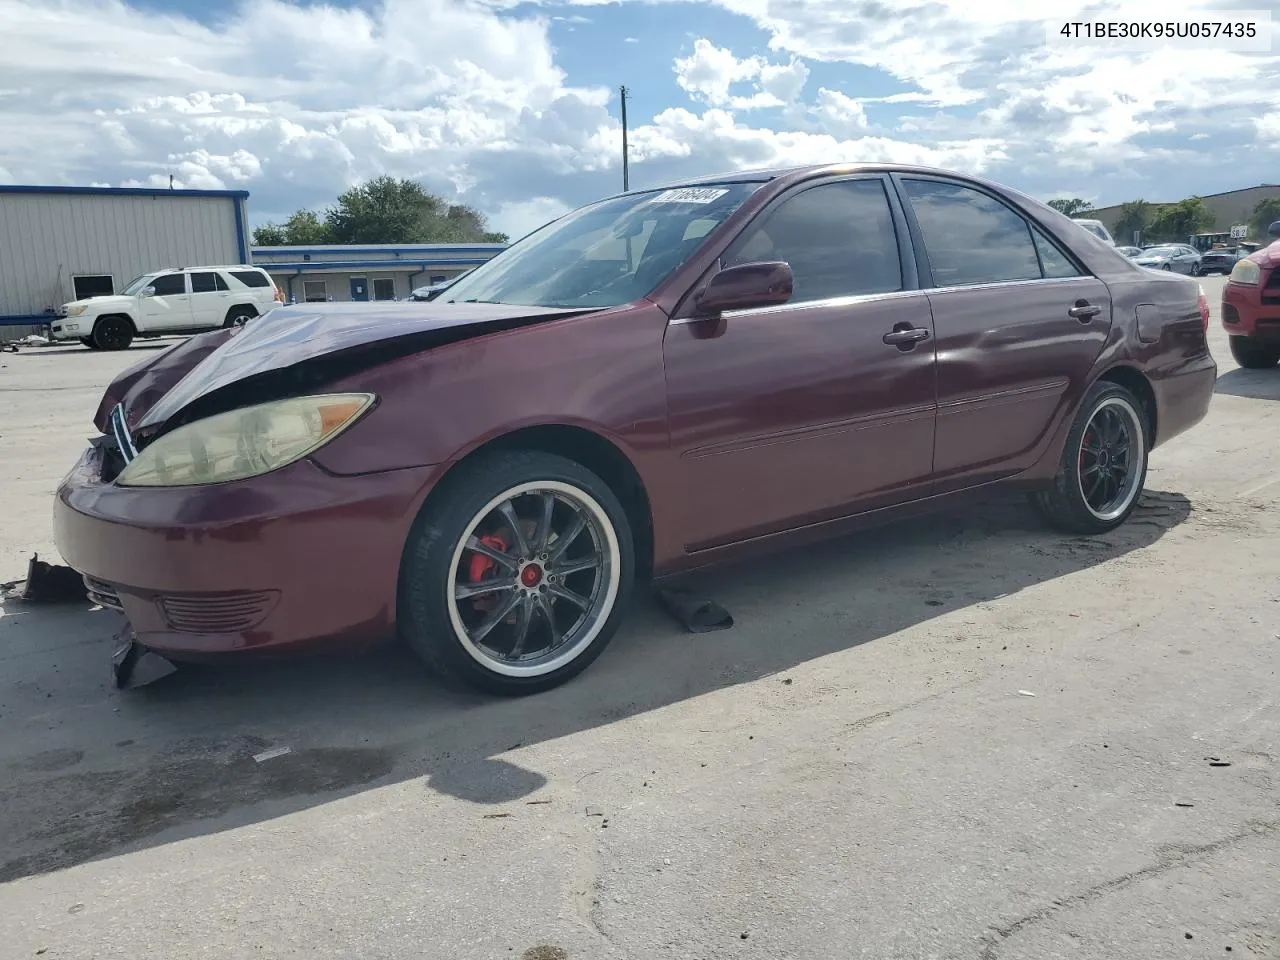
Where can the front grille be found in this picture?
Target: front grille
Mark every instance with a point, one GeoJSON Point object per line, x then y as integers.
{"type": "Point", "coordinates": [1273, 281]}
{"type": "Point", "coordinates": [102, 593]}
{"type": "Point", "coordinates": [217, 613]}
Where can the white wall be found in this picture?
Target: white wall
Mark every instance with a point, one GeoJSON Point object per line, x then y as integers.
{"type": "Point", "coordinates": [338, 285]}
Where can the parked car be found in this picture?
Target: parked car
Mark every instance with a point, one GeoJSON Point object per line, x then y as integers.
{"type": "Point", "coordinates": [165, 302]}
{"type": "Point", "coordinates": [1097, 228]}
{"type": "Point", "coordinates": [656, 382]}
{"type": "Point", "coordinates": [1130, 252]}
{"type": "Point", "coordinates": [1221, 259]}
{"type": "Point", "coordinates": [1175, 257]}
{"type": "Point", "coordinates": [1251, 306]}
{"type": "Point", "coordinates": [433, 290]}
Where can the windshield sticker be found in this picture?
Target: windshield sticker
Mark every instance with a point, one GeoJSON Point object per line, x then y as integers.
{"type": "Point", "coordinates": [690, 195]}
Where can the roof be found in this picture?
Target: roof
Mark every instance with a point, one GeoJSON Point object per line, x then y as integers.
{"type": "Point", "coordinates": [384, 248]}
{"type": "Point", "coordinates": [121, 191]}
{"type": "Point", "coordinates": [1202, 196]}
{"type": "Point", "coordinates": [347, 266]}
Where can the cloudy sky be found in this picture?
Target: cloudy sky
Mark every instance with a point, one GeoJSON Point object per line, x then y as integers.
{"type": "Point", "coordinates": [512, 106]}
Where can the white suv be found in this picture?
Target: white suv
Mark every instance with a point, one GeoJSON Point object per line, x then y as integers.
{"type": "Point", "coordinates": [190, 300]}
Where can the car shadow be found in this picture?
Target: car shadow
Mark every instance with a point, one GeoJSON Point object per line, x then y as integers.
{"type": "Point", "coordinates": [80, 350]}
{"type": "Point", "coordinates": [1254, 384]}
{"type": "Point", "coordinates": [90, 771]}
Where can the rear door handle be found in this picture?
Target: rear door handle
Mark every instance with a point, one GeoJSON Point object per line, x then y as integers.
{"type": "Point", "coordinates": [907, 338]}
{"type": "Point", "coordinates": [1084, 311]}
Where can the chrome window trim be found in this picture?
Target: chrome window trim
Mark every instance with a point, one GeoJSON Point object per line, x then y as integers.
{"type": "Point", "coordinates": [854, 299]}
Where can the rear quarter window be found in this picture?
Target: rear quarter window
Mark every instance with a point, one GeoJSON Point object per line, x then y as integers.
{"type": "Point", "coordinates": [252, 278]}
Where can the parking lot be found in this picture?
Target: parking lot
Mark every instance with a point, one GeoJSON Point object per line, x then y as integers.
{"type": "Point", "coordinates": [960, 737]}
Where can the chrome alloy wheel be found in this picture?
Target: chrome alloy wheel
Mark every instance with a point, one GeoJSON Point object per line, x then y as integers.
{"type": "Point", "coordinates": [1111, 457]}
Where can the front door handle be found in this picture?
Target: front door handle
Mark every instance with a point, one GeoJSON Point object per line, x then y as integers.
{"type": "Point", "coordinates": [1084, 311]}
{"type": "Point", "coordinates": [904, 337]}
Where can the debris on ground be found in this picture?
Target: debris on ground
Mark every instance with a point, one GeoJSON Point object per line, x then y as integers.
{"type": "Point", "coordinates": [134, 665]}
{"type": "Point", "coordinates": [1217, 762]}
{"type": "Point", "coordinates": [1183, 803]}
{"type": "Point", "coordinates": [46, 583]}
{"type": "Point", "coordinates": [594, 812]}
{"type": "Point", "coordinates": [271, 754]}
{"type": "Point", "coordinates": [496, 816]}
{"type": "Point", "coordinates": [1025, 693]}
{"type": "Point", "coordinates": [695, 613]}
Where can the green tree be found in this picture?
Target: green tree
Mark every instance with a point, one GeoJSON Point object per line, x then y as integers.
{"type": "Point", "coordinates": [1176, 222]}
{"type": "Point", "coordinates": [1071, 208]}
{"type": "Point", "coordinates": [387, 210]}
{"type": "Point", "coordinates": [269, 235]}
{"type": "Point", "coordinates": [1265, 213]}
{"type": "Point", "coordinates": [305, 228]}
{"type": "Point", "coordinates": [1134, 216]}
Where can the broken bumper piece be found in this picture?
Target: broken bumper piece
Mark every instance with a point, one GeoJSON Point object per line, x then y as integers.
{"type": "Point", "coordinates": [134, 665]}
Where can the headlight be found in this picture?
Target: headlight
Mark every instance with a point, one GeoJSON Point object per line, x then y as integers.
{"type": "Point", "coordinates": [77, 310]}
{"type": "Point", "coordinates": [244, 443]}
{"type": "Point", "coordinates": [1245, 271]}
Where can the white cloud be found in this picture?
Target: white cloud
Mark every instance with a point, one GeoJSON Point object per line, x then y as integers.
{"type": "Point", "coordinates": [839, 114]}
{"type": "Point", "coordinates": [709, 72]}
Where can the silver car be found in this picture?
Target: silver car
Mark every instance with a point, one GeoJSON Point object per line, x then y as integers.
{"type": "Point", "coordinates": [1175, 257]}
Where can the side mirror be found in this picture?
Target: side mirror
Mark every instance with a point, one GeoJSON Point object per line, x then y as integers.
{"type": "Point", "coordinates": [765, 284]}
{"type": "Point", "coordinates": [148, 291]}
{"type": "Point", "coordinates": [1274, 229]}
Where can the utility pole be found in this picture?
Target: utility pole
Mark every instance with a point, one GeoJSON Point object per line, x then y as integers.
{"type": "Point", "coordinates": [626, 174]}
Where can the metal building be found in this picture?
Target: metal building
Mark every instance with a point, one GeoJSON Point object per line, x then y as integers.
{"type": "Point", "coordinates": [59, 244]}
{"type": "Point", "coordinates": [367, 271]}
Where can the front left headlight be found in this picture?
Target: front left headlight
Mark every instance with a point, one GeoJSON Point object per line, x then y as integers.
{"type": "Point", "coordinates": [77, 310]}
{"type": "Point", "coordinates": [244, 443]}
{"type": "Point", "coordinates": [1245, 271]}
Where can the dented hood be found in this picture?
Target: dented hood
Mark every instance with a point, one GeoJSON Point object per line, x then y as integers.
{"type": "Point", "coordinates": [290, 335]}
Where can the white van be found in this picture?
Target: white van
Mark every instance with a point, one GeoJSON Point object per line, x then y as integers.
{"type": "Point", "coordinates": [165, 302]}
{"type": "Point", "coordinates": [1097, 229]}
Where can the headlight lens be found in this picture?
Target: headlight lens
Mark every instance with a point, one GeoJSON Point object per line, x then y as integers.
{"type": "Point", "coordinates": [244, 443]}
{"type": "Point", "coordinates": [1245, 271]}
{"type": "Point", "coordinates": [77, 310]}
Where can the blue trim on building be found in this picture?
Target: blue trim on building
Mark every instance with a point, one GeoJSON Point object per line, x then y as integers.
{"type": "Point", "coordinates": [406, 248]}
{"type": "Point", "coordinates": [358, 265]}
{"type": "Point", "coordinates": [19, 320]}
{"type": "Point", "coordinates": [242, 244]}
{"type": "Point", "coordinates": [123, 191]}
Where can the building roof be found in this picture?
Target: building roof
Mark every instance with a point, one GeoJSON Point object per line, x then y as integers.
{"type": "Point", "coordinates": [122, 191]}
{"type": "Point", "coordinates": [400, 249]}
{"type": "Point", "coordinates": [1202, 196]}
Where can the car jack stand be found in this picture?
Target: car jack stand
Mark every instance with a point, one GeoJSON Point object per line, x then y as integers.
{"type": "Point", "coordinates": [136, 666]}
{"type": "Point", "coordinates": [696, 614]}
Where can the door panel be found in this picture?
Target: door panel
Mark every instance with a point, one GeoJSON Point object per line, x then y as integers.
{"type": "Point", "coordinates": [1009, 358]}
{"type": "Point", "coordinates": [170, 308]}
{"type": "Point", "coordinates": [210, 299]}
{"type": "Point", "coordinates": [793, 415]}
{"type": "Point", "coordinates": [359, 289]}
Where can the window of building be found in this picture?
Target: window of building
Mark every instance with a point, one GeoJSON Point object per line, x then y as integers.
{"type": "Point", "coordinates": [838, 238]}
{"type": "Point", "coordinates": [170, 285]}
{"type": "Point", "coordinates": [252, 278]}
{"type": "Point", "coordinates": [101, 285]}
{"type": "Point", "coordinates": [207, 283]}
{"type": "Point", "coordinates": [384, 288]}
{"type": "Point", "coordinates": [969, 236]}
{"type": "Point", "coordinates": [314, 291]}
{"type": "Point", "coordinates": [438, 278]}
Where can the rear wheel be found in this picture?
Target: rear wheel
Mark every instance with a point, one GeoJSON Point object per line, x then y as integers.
{"type": "Point", "coordinates": [239, 316]}
{"type": "Point", "coordinates": [516, 573]}
{"type": "Point", "coordinates": [1251, 354]}
{"type": "Point", "coordinates": [1167, 267]}
{"type": "Point", "coordinates": [1103, 466]}
{"type": "Point", "coordinates": [113, 333]}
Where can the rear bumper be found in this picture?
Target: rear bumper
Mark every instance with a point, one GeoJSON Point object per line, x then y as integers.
{"type": "Point", "coordinates": [1252, 311]}
{"type": "Point", "coordinates": [290, 559]}
{"type": "Point", "coordinates": [1183, 393]}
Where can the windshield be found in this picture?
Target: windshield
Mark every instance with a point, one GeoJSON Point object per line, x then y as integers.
{"type": "Point", "coordinates": [605, 254]}
{"type": "Point", "coordinates": [137, 283]}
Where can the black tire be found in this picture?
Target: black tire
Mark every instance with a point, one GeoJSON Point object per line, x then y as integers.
{"type": "Point", "coordinates": [1252, 355]}
{"type": "Point", "coordinates": [113, 332]}
{"type": "Point", "coordinates": [89, 342]}
{"type": "Point", "coordinates": [1064, 505]}
{"type": "Point", "coordinates": [429, 618]}
{"type": "Point", "coordinates": [1195, 270]}
{"type": "Point", "coordinates": [1167, 267]}
{"type": "Point", "coordinates": [238, 316]}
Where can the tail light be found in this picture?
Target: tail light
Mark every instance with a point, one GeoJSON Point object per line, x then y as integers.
{"type": "Point", "coordinates": [280, 295]}
{"type": "Point", "coordinates": [1204, 311]}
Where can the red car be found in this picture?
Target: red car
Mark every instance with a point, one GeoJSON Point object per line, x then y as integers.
{"type": "Point", "coordinates": [1251, 306]}
{"type": "Point", "coordinates": [653, 383]}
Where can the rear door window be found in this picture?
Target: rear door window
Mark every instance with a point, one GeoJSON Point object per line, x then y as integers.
{"type": "Point", "coordinates": [971, 237]}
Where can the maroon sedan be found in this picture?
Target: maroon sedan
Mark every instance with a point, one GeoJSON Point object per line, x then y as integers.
{"type": "Point", "coordinates": [652, 383]}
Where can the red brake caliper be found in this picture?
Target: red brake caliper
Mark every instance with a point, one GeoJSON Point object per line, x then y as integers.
{"type": "Point", "coordinates": [482, 567]}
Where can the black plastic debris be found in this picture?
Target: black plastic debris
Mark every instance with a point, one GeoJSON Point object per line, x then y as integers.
{"type": "Point", "coordinates": [134, 665]}
{"type": "Point", "coordinates": [695, 613]}
{"type": "Point", "coordinates": [46, 583]}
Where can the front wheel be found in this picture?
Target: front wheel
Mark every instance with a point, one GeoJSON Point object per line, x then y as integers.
{"type": "Point", "coordinates": [1252, 355]}
{"type": "Point", "coordinates": [1195, 270]}
{"type": "Point", "coordinates": [89, 342]}
{"type": "Point", "coordinates": [113, 333]}
{"type": "Point", "coordinates": [515, 576]}
{"type": "Point", "coordinates": [1103, 466]}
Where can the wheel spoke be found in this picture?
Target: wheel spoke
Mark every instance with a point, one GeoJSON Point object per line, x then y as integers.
{"type": "Point", "coordinates": [524, 616]}
{"type": "Point", "coordinates": [1090, 471]}
{"type": "Point", "coordinates": [509, 514]}
{"type": "Point", "coordinates": [577, 565]}
{"type": "Point", "coordinates": [498, 615]}
{"type": "Point", "coordinates": [548, 614]}
{"type": "Point", "coordinates": [543, 532]}
{"type": "Point", "coordinates": [565, 540]}
{"type": "Point", "coordinates": [561, 592]}
{"type": "Point", "coordinates": [1093, 487]}
{"type": "Point", "coordinates": [476, 545]}
{"type": "Point", "coordinates": [465, 591]}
